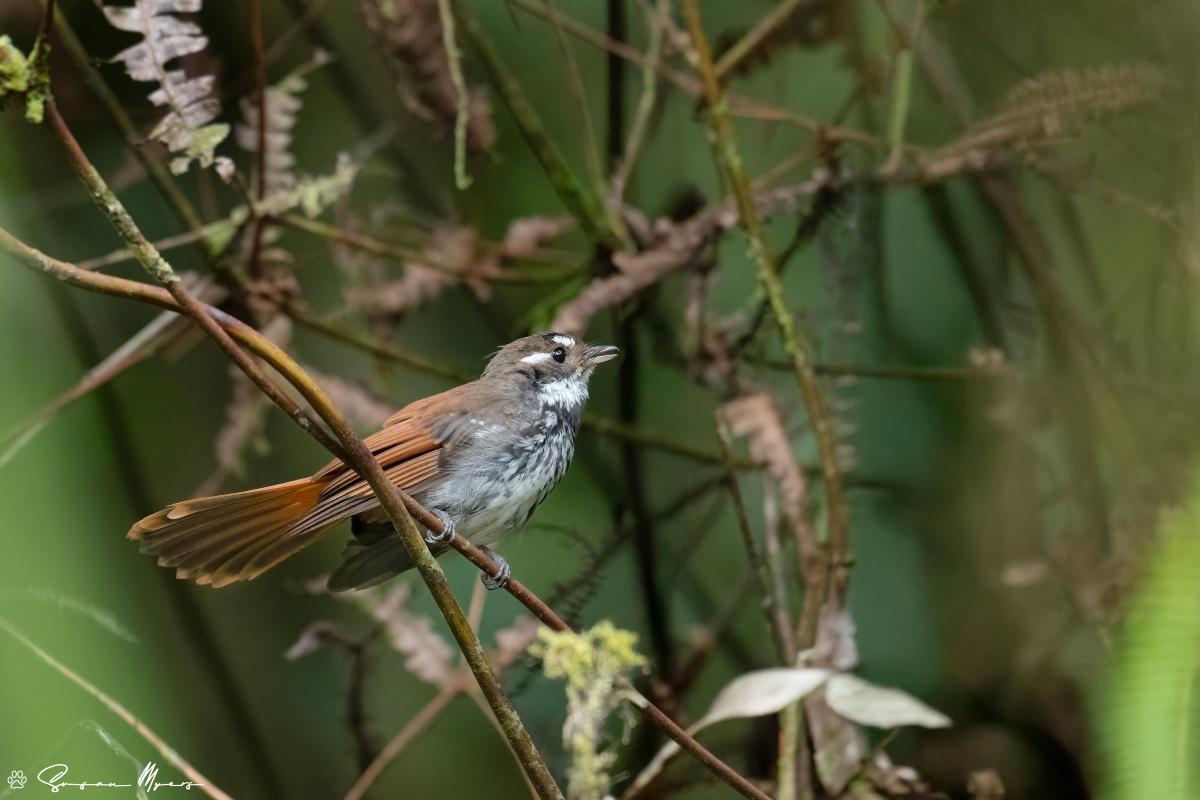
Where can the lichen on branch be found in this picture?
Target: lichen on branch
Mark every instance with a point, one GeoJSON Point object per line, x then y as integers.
{"type": "Point", "coordinates": [591, 662]}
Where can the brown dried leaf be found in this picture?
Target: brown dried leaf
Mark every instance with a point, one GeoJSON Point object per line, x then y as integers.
{"type": "Point", "coordinates": [455, 249]}
{"type": "Point", "coordinates": [526, 235]}
{"type": "Point", "coordinates": [756, 417]}
{"type": "Point", "coordinates": [428, 655]}
{"type": "Point", "coordinates": [513, 641]}
{"type": "Point", "coordinates": [410, 34]}
{"type": "Point", "coordinates": [674, 247]}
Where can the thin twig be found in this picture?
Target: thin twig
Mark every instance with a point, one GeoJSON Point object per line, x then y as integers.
{"type": "Point", "coordinates": [754, 37]}
{"type": "Point", "coordinates": [773, 602]}
{"type": "Point", "coordinates": [579, 96]}
{"type": "Point", "coordinates": [420, 721]}
{"type": "Point", "coordinates": [579, 201]}
{"type": "Point", "coordinates": [641, 118]}
{"type": "Point", "coordinates": [260, 100]}
{"type": "Point", "coordinates": [797, 347]}
{"type": "Point", "coordinates": [462, 114]}
{"type": "Point", "coordinates": [165, 750]}
{"type": "Point", "coordinates": [391, 498]}
{"type": "Point", "coordinates": [355, 452]}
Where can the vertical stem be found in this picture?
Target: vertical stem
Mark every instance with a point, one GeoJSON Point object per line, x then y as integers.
{"type": "Point", "coordinates": [773, 606]}
{"type": "Point", "coordinates": [260, 100]}
{"type": "Point", "coordinates": [797, 346]}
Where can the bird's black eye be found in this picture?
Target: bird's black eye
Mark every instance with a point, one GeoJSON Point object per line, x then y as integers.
{"type": "Point", "coordinates": [559, 355]}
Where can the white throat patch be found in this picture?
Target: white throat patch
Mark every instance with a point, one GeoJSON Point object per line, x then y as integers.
{"type": "Point", "coordinates": [567, 392]}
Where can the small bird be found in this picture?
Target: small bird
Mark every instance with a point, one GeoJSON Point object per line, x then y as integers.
{"type": "Point", "coordinates": [480, 456]}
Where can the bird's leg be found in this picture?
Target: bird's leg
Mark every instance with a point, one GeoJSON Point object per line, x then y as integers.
{"type": "Point", "coordinates": [503, 572]}
{"type": "Point", "coordinates": [449, 529]}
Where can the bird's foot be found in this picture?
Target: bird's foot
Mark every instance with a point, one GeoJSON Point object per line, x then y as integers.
{"type": "Point", "coordinates": [503, 572]}
{"type": "Point", "coordinates": [449, 529]}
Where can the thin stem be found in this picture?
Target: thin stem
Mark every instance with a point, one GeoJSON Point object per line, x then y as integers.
{"type": "Point", "coordinates": [591, 151]}
{"type": "Point", "coordinates": [754, 37]}
{"type": "Point", "coordinates": [581, 203]}
{"type": "Point", "coordinates": [413, 728]}
{"type": "Point", "coordinates": [391, 498]}
{"type": "Point", "coordinates": [641, 119]}
{"type": "Point", "coordinates": [260, 100]}
{"type": "Point", "coordinates": [773, 603]}
{"type": "Point", "coordinates": [165, 750]}
{"type": "Point", "coordinates": [796, 345]}
{"type": "Point", "coordinates": [462, 113]}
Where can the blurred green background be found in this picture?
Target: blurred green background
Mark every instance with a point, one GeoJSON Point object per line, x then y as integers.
{"type": "Point", "coordinates": [1000, 524]}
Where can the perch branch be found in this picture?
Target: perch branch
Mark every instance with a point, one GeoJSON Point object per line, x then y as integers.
{"type": "Point", "coordinates": [348, 447]}
{"type": "Point", "coordinates": [261, 346]}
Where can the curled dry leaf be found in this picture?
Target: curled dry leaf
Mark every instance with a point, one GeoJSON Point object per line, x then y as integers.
{"type": "Point", "coordinates": [410, 34]}
{"type": "Point", "coordinates": [769, 691]}
{"type": "Point", "coordinates": [455, 250]}
{"type": "Point", "coordinates": [459, 256]}
{"type": "Point", "coordinates": [756, 417]}
{"type": "Point", "coordinates": [513, 641]}
{"type": "Point", "coordinates": [526, 235]}
{"type": "Point", "coordinates": [428, 655]}
{"type": "Point", "coordinates": [672, 247]}
{"type": "Point", "coordinates": [187, 129]}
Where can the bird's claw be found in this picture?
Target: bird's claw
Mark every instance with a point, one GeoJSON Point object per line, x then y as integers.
{"type": "Point", "coordinates": [503, 571]}
{"type": "Point", "coordinates": [449, 529]}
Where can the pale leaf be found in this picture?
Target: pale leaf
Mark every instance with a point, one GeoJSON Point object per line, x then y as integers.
{"type": "Point", "coordinates": [755, 694]}
{"type": "Point", "coordinates": [867, 704]}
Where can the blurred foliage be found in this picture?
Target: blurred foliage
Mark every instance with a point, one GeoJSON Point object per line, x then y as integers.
{"type": "Point", "coordinates": [1013, 427]}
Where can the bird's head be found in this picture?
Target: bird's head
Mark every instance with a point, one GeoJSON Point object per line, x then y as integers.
{"type": "Point", "coordinates": [554, 365]}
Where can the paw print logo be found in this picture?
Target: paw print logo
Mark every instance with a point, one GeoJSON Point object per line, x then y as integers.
{"type": "Point", "coordinates": [17, 779]}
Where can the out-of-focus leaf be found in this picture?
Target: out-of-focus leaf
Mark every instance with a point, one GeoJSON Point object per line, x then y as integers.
{"type": "Point", "coordinates": [867, 704]}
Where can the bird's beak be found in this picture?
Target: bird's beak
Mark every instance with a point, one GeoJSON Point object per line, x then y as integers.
{"type": "Point", "coordinates": [599, 353]}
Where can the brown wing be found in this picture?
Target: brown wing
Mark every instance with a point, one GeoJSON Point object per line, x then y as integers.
{"type": "Point", "coordinates": [411, 448]}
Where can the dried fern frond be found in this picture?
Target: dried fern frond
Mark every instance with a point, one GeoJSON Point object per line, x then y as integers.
{"type": "Point", "coordinates": [1055, 104]}
{"type": "Point", "coordinates": [188, 129]}
{"type": "Point", "coordinates": [410, 34]}
{"type": "Point", "coordinates": [282, 102]}
{"type": "Point", "coordinates": [756, 417]}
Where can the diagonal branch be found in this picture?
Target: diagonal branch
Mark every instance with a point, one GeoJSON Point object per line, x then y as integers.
{"type": "Point", "coordinates": [282, 363]}
{"type": "Point", "coordinates": [347, 446]}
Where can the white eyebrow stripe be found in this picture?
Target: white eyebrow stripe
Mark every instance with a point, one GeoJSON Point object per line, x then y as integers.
{"type": "Point", "coordinates": [565, 341]}
{"type": "Point", "coordinates": [535, 358]}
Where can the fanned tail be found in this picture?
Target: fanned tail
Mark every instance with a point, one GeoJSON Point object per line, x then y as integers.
{"type": "Point", "coordinates": [232, 537]}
